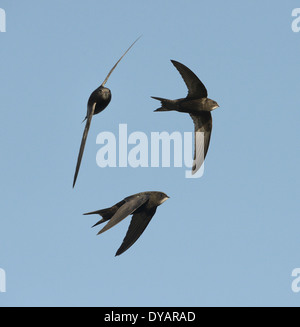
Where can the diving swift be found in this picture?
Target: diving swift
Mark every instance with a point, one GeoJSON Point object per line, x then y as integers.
{"type": "Point", "coordinates": [98, 101]}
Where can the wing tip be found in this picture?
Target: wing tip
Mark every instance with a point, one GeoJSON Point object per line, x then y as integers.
{"type": "Point", "coordinates": [120, 251]}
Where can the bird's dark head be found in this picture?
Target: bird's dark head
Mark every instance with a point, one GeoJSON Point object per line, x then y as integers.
{"type": "Point", "coordinates": [104, 92]}
{"type": "Point", "coordinates": [211, 104]}
{"type": "Point", "coordinates": [161, 197]}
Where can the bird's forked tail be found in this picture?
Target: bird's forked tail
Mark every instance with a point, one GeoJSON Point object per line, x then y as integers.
{"type": "Point", "coordinates": [166, 104]}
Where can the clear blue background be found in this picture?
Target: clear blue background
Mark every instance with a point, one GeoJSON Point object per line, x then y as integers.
{"type": "Point", "coordinates": [230, 238]}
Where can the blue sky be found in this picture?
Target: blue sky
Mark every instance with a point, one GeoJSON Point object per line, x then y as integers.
{"type": "Point", "coordinates": [230, 238]}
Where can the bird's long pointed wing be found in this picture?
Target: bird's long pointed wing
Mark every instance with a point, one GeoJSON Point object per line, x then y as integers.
{"type": "Point", "coordinates": [132, 203]}
{"type": "Point", "coordinates": [107, 77]}
{"type": "Point", "coordinates": [138, 224]}
{"type": "Point", "coordinates": [203, 127]}
{"type": "Point", "coordinates": [91, 110]}
{"type": "Point", "coordinates": [195, 86]}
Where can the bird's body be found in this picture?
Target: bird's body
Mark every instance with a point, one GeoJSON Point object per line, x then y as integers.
{"type": "Point", "coordinates": [98, 101]}
{"type": "Point", "coordinates": [141, 205]}
{"type": "Point", "coordinates": [185, 105]}
{"type": "Point", "coordinates": [199, 106]}
{"type": "Point", "coordinates": [101, 96]}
